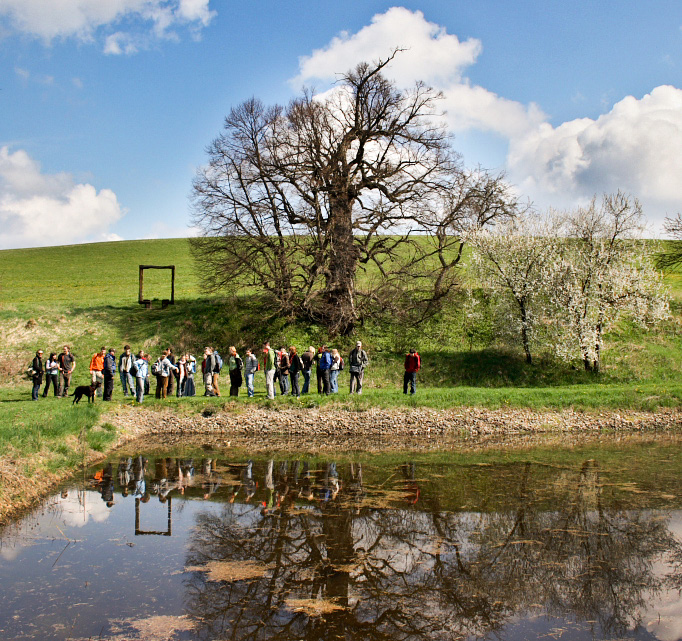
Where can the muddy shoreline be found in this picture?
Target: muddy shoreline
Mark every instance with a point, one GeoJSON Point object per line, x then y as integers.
{"type": "Point", "coordinates": [341, 430]}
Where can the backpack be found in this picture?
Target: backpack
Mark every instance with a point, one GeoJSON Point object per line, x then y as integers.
{"type": "Point", "coordinates": [156, 368]}
{"type": "Point", "coordinates": [341, 363]}
{"type": "Point", "coordinates": [30, 372]}
{"type": "Point", "coordinates": [133, 369]}
{"type": "Point", "coordinates": [218, 361]}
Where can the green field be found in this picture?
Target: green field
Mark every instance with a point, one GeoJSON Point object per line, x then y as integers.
{"type": "Point", "coordinates": [86, 296]}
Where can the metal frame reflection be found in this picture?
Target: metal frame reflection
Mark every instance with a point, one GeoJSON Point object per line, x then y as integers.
{"type": "Point", "coordinates": [141, 532]}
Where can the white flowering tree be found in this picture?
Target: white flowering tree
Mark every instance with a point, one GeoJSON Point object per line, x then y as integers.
{"type": "Point", "coordinates": [603, 270]}
{"type": "Point", "coordinates": [515, 259]}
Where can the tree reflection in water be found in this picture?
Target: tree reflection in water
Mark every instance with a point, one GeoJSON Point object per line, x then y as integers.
{"type": "Point", "coordinates": [393, 564]}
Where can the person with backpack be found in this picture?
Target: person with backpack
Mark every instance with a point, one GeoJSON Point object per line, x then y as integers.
{"type": "Point", "coordinates": [141, 368]}
{"type": "Point", "coordinates": [108, 372]}
{"type": "Point", "coordinates": [283, 370]}
{"type": "Point", "coordinates": [337, 364]}
{"type": "Point", "coordinates": [125, 362]}
{"type": "Point", "coordinates": [217, 367]}
{"type": "Point", "coordinates": [67, 363]}
{"type": "Point", "coordinates": [307, 362]}
{"type": "Point", "coordinates": [162, 370]}
{"type": "Point", "coordinates": [270, 368]}
{"type": "Point", "coordinates": [250, 368]}
{"type": "Point", "coordinates": [413, 363]}
{"type": "Point", "coordinates": [207, 367]}
{"type": "Point", "coordinates": [234, 367]}
{"type": "Point", "coordinates": [96, 367]}
{"type": "Point", "coordinates": [357, 361]}
{"type": "Point", "coordinates": [295, 368]}
{"type": "Point", "coordinates": [51, 375]}
{"type": "Point", "coordinates": [324, 365]}
{"type": "Point", "coordinates": [36, 370]}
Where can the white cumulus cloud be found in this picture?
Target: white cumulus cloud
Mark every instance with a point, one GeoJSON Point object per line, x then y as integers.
{"type": "Point", "coordinates": [634, 147]}
{"type": "Point", "coordinates": [38, 209]}
{"type": "Point", "coordinates": [83, 19]}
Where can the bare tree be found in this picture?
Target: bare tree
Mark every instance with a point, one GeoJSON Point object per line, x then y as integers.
{"type": "Point", "coordinates": [299, 200]}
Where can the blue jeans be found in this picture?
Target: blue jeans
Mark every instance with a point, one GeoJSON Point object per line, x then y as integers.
{"type": "Point", "coordinates": [36, 389]}
{"type": "Point", "coordinates": [249, 384]}
{"type": "Point", "coordinates": [284, 384]}
{"type": "Point", "coordinates": [306, 381]}
{"type": "Point", "coordinates": [127, 383]}
{"type": "Point", "coordinates": [411, 379]}
{"type": "Point", "coordinates": [334, 380]}
{"type": "Point", "coordinates": [140, 389]}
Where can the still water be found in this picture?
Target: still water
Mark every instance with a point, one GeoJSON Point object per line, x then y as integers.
{"type": "Point", "coordinates": [553, 544]}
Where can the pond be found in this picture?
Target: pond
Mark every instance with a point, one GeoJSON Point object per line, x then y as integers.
{"type": "Point", "coordinates": [576, 543]}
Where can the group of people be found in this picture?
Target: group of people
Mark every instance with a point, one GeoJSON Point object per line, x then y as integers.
{"type": "Point", "coordinates": [176, 374]}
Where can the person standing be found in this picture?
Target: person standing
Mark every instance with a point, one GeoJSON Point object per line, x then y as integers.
{"type": "Point", "coordinates": [125, 362]}
{"type": "Point", "coordinates": [181, 376]}
{"type": "Point", "coordinates": [318, 371]}
{"type": "Point", "coordinates": [235, 366]}
{"type": "Point", "coordinates": [324, 365]}
{"type": "Point", "coordinates": [357, 362]}
{"type": "Point", "coordinates": [142, 369]}
{"type": "Point", "coordinates": [96, 367]}
{"type": "Point", "coordinates": [108, 371]}
{"type": "Point", "coordinates": [295, 368]}
{"type": "Point", "coordinates": [217, 366]}
{"type": "Point", "coordinates": [334, 372]}
{"type": "Point", "coordinates": [269, 367]}
{"type": "Point", "coordinates": [413, 364]}
{"type": "Point", "coordinates": [164, 369]}
{"type": "Point", "coordinates": [67, 363]}
{"type": "Point", "coordinates": [172, 375]}
{"type": "Point", "coordinates": [250, 369]}
{"type": "Point", "coordinates": [307, 363]}
{"type": "Point", "coordinates": [190, 389]}
{"type": "Point", "coordinates": [37, 376]}
{"type": "Point", "coordinates": [207, 367]}
{"type": "Point", "coordinates": [283, 371]}
{"type": "Point", "coordinates": [51, 374]}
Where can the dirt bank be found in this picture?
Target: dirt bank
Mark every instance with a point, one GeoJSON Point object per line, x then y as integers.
{"type": "Point", "coordinates": [339, 430]}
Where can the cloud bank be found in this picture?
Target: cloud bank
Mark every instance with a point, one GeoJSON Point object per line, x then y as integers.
{"type": "Point", "coordinates": [143, 20]}
{"type": "Point", "coordinates": [634, 147]}
{"type": "Point", "coordinates": [38, 209]}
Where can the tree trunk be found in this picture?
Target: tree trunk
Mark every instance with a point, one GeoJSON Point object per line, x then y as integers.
{"type": "Point", "coordinates": [339, 293]}
{"type": "Point", "coordinates": [524, 332]}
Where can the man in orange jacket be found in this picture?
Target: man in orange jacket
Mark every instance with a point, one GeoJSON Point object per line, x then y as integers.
{"type": "Point", "coordinates": [413, 363]}
{"type": "Point", "coordinates": [96, 369]}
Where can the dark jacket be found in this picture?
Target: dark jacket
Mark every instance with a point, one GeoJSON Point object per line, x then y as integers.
{"type": "Point", "coordinates": [37, 369]}
{"type": "Point", "coordinates": [358, 359]}
{"type": "Point", "coordinates": [109, 365]}
{"type": "Point", "coordinates": [296, 364]}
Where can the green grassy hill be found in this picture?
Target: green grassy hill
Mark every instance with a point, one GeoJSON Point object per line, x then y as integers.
{"type": "Point", "coordinates": [86, 296]}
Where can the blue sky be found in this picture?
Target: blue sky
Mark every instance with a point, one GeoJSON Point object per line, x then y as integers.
{"type": "Point", "coordinates": [107, 105]}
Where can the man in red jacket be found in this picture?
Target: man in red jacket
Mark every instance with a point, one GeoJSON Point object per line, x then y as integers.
{"type": "Point", "coordinates": [413, 364]}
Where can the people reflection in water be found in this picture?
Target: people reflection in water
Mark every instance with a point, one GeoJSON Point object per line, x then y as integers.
{"type": "Point", "coordinates": [140, 485]}
{"type": "Point", "coordinates": [412, 490]}
{"type": "Point", "coordinates": [104, 481]}
{"type": "Point", "coordinates": [211, 481]}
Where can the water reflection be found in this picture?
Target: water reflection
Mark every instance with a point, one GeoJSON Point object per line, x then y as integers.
{"type": "Point", "coordinates": [309, 549]}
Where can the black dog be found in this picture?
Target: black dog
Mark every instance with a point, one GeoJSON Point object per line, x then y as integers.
{"type": "Point", "coordinates": [85, 390]}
